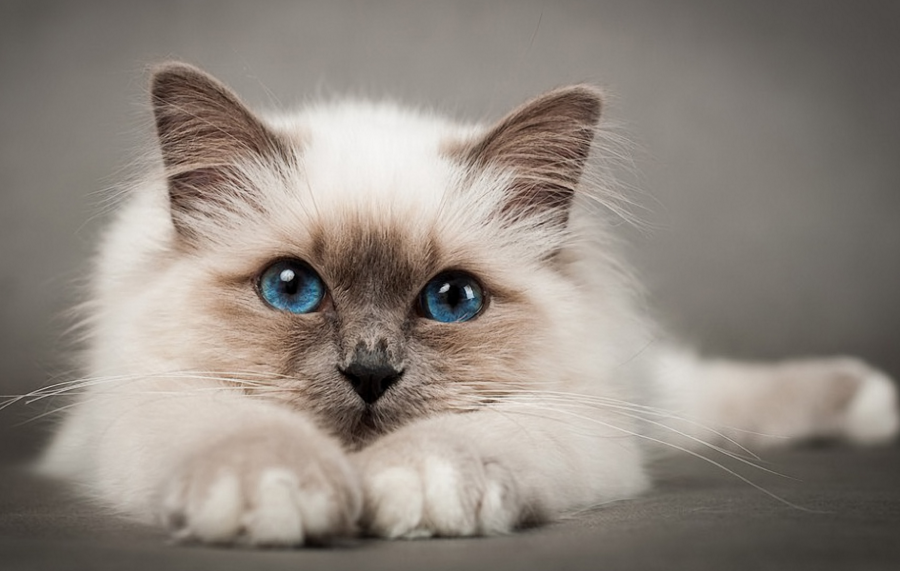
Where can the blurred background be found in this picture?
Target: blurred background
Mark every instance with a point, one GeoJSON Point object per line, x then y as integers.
{"type": "Point", "coordinates": [765, 136]}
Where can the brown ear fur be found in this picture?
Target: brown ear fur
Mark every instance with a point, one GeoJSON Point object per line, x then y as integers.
{"type": "Point", "coordinates": [546, 143]}
{"type": "Point", "coordinates": [204, 129]}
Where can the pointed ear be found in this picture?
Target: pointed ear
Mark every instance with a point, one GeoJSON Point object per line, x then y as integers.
{"type": "Point", "coordinates": [204, 131]}
{"type": "Point", "coordinates": [545, 144]}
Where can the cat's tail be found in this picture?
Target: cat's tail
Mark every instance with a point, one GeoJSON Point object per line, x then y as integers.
{"type": "Point", "coordinates": [723, 402]}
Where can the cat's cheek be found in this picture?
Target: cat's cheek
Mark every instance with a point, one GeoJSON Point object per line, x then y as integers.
{"type": "Point", "coordinates": [259, 492]}
{"type": "Point", "coordinates": [417, 486]}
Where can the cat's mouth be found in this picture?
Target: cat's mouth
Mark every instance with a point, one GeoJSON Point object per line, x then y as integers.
{"type": "Point", "coordinates": [365, 427]}
{"type": "Point", "coordinates": [367, 419]}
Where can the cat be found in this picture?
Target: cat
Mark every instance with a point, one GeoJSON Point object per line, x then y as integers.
{"type": "Point", "coordinates": [363, 318]}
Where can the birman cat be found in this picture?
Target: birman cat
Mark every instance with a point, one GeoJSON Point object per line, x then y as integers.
{"type": "Point", "coordinates": [364, 318]}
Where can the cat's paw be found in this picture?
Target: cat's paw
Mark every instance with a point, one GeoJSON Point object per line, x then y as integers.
{"type": "Point", "coordinates": [872, 415]}
{"type": "Point", "coordinates": [264, 489]}
{"type": "Point", "coordinates": [424, 485]}
{"type": "Point", "coordinates": [839, 397]}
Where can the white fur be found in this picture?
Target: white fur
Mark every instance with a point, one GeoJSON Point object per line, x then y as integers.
{"type": "Point", "coordinates": [872, 417]}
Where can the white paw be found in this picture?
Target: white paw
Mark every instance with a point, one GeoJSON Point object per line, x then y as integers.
{"type": "Point", "coordinates": [839, 398]}
{"type": "Point", "coordinates": [872, 417]}
{"type": "Point", "coordinates": [421, 487]}
{"type": "Point", "coordinates": [264, 491]}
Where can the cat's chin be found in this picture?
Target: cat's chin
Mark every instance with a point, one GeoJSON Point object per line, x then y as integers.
{"type": "Point", "coordinates": [366, 427]}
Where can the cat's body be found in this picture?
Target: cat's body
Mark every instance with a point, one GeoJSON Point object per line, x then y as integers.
{"type": "Point", "coordinates": [360, 316]}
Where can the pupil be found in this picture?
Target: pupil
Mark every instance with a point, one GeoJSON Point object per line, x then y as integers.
{"type": "Point", "coordinates": [451, 294]}
{"type": "Point", "coordinates": [451, 297]}
{"type": "Point", "coordinates": [288, 281]}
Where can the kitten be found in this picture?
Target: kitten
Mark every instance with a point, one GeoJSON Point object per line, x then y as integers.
{"type": "Point", "coordinates": [362, 317]}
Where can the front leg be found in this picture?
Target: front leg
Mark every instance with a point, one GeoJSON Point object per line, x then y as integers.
{"type": "Point", "coordinates": [489, 472]}
{"type": "Point", "coordinates": [269, 483]}
{"type": "Point", "coordinates": [211, 465]}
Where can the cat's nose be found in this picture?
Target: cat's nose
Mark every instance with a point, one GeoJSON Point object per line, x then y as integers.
{"type": "Point", "coordinates": [370, 374]}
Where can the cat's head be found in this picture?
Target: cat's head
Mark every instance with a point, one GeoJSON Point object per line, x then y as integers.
{"type": "Point", "coordinates": [372, 264]}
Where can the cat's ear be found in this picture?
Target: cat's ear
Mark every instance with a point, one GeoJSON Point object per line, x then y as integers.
{"type": "Point", "coordinates": [545, 144]}
{"type": "Point", "coordinates": [205, 132]}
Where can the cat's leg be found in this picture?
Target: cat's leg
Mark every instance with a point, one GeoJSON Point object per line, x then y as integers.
{"type": "Point", "coordinates": [211, 464]}
{"type": "Point", "coordinates": [488, 472]}
{"type": "Point", "coordinates": [771, 404]}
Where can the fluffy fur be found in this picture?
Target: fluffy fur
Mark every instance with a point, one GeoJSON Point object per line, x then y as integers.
{"type": "Point", "coordinates": [206, 410]}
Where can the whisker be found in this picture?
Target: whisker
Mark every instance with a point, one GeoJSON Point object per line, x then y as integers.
{"type": "Point", "coordinates": [711, 446]}
{"type": "Point", "coordinates": [78, 386]}
{"type": "Point", "coordinates": [691, 453]}
{"type": "Point", "coordinates": [608, 402]}
{"type": "Point", "coordinates": [616, 406]}
{"type": "Point", "coordinates": [622, 410]}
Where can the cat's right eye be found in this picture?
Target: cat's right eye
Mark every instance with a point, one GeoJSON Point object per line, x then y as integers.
{"type": "Point", "coordinates": [292, 286]}
{"type": "Point", "coordinates": [452, 297]}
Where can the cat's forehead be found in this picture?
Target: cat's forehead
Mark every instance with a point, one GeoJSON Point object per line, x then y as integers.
{"type": "Point", "coordinates": [376, 155]}
{"type": "Point", "coordinates": [374, 182]}
{"type": "Point", "coordinates": [374, 198]}
{"type": "Point", "coordinates": [377, 251]}
{"type": "Point", "coordinates": [377, 264]}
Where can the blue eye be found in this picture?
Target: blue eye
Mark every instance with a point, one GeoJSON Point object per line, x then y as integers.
{"type": "Point", "coordinates": [451, 297]}
{"type": "Point", "coordinates": [291, 285]}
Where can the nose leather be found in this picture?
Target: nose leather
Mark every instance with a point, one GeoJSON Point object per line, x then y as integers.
{"type": "Point", "coordinates": [371, 373]}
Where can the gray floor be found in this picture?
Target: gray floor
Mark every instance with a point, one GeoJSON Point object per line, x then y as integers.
{"type": "Point", "coordinates": [765, 141]}
{"type": "Point", "coordinates": [698, 518]}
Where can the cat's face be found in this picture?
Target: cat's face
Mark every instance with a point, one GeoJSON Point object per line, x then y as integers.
{"type": "Point", "coordinates": [373, 267]}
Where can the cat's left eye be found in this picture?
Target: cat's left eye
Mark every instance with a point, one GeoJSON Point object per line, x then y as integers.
{"type": "Point", "coordinates": [292, 286]}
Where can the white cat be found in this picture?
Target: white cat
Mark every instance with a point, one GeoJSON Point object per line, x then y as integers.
{"type": "Point", "coordinates": [363, 317]}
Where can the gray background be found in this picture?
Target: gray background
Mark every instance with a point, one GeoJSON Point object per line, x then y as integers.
{"type": "Point", "coordinates": [766, 139]}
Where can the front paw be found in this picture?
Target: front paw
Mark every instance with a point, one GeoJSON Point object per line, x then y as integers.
{"type": "Point", "coordinates": [416, 485]}
{"type": "Point", "coordinates": [264, 489]}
